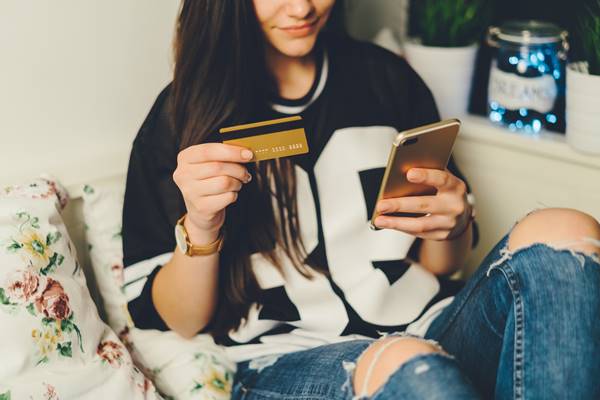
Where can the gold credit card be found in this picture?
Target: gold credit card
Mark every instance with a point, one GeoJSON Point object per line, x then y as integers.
{"type": "Point", "coordinates": [276, 138]}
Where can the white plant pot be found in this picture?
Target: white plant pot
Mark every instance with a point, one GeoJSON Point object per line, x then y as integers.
{"type": "Point", "coordinates": [583, 111]}
{"type": "Point", "coordinates": [447, 71]}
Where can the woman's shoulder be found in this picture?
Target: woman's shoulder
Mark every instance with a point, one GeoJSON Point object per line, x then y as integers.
{"type": "Point", "coordinates": [156, 137]}
{"type": "Point", "coordinates": [157, 127]}
{"type": "Point", "coordinates": [377, 67]}
{"type": "Point", "coordinates": [365, 54]}
{"type": "Point", "coordinates": [380, 76]}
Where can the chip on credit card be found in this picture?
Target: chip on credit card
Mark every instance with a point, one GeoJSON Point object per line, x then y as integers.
{"type": "Point", "coordinates": [283, 137]}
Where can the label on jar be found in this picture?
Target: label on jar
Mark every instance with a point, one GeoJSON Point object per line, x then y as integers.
{"type": "Point", "coordinates": [513, 92]}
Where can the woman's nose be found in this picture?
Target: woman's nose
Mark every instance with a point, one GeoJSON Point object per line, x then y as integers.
{"type": "Point", "coordinates": [300, 9]}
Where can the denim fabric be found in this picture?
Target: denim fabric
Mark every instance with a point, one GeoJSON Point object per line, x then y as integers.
{"type": "Point", "coordinates": [526, 325]}
{"type": "Point", "coordinates": [325, 372]}
{"type": "Point", "coordinates": [314, 374]}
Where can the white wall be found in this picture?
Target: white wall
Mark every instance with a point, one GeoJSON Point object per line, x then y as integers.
{"type": "Point", "coordinates": [77, 78]}
{"type": "Point", "coordinates": [366, 18]}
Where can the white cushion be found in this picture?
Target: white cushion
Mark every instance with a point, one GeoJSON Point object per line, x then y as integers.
{"type": "Point", "coordinates": [180, 368]}
{"type": "Point", "coordinates": [53, 343]}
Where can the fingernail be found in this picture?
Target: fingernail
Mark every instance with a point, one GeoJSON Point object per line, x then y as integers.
{"type": "Point", "coordinates": [248, 178]}
{"type": "Point", "coordinates": [413, 175]}
{"type": "Point", "coordinates": [247, 154]}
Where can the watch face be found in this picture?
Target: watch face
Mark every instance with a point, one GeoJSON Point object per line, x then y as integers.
{"type": "Point", "coordinates": [180, 238]}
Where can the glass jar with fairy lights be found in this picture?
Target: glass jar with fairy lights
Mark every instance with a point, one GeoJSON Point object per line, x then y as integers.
{"type": "Point", "coordinates": [526, 90]}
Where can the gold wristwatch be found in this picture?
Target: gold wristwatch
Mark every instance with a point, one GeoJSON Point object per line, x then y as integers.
{"type": "Point", "coordinates": [188, 248]}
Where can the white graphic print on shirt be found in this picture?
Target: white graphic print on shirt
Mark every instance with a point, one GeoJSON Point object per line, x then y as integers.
{"type": "Point", "coordinates": [351, 248]}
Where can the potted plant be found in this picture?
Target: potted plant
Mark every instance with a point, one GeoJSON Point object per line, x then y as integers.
{"type": "Point", "coordinates": [583, 86]}
{"type": "Point", "coordinates": [444, 52]}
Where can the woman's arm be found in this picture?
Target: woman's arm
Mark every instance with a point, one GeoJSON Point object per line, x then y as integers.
{"type": "Point", "coordinates": [446, 231]}
{"type": "Point", "coordinates": [209, 176]}
{"type": "Point", "coordinates": [447, 256]}
{"type": "Point", "coordinates": [446, 238]}
{"type": "Point", "coordinates": [185, 289]}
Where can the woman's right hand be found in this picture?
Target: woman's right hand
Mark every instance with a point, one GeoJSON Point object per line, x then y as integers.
{"type": "Point", "coordinates": [209, 176]}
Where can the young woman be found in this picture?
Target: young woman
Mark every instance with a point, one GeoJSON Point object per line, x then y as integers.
{"type": "Point", "coordinates": [306, 298]}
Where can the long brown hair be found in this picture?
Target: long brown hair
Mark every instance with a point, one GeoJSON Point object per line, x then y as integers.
{"type": "Point", "coordinates": [221, 78]}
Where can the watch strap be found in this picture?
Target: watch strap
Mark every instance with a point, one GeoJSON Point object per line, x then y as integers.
{"type": "Point", "coordinates": [201, 250]}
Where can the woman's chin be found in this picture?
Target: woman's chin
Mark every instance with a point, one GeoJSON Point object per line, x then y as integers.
{"type": "Point", "coordinates": [296, 47]}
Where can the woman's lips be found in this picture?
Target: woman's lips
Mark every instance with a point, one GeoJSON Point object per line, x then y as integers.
{"type": "Point", "coordinates": [301, 30]}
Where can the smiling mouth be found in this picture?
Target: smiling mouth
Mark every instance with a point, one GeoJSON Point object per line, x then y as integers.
{"type": "Point", "coordinates": [306, 25]}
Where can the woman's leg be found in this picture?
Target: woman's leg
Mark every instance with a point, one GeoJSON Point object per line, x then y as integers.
{"type": "Point", "coordinates": [391, 368]}
{"type": "Point", "coordinates": [316, 373]}
{"type": "Point", "coordinates": [403, 367]}
{"type": "Point", "coordinates": [527, 325]}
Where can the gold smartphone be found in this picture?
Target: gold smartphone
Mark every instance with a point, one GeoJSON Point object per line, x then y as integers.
{"type": "Point", "coordinates": [428, 146]}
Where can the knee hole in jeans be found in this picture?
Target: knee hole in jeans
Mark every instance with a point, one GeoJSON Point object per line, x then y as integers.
{"type": "Point", "coordinates": [383, 358]}
{"type": "Point", "coordinates": [554, 226]}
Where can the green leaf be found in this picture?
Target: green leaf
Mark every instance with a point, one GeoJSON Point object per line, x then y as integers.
{"type": "Point", "coordinates": [76, 267]}
{"type": "Point", "coordinates": [451, 23]}
{"type": "Point", "coordinates": [66, 326]}
{"type": "Point", "coordinates": [87, 189]}
{"type": "Point", "coordinates": [14, 246]}
{"type": "Point", "coordinates": [51, 264]}
{"type": "Point", "coordinates": [4, 298]}
{"type": "Point", "coordinates": [65, 349]}
{"type": "Point", "coordinates": [589, 33]}
{"type": "Point", "coordinates": [78, 336]}
{"type": "Point", "coordinates": [47, 321]}
{"type": "Point", "coordinates": [42, 360]}
{"type": "Point", "coordinates": [34, 222]}
{"type": "Point", "coordinates": [52, 237]}
{"type": "Point", "coordinates": [38, 246]}
{"type": "Point", "coordinates": [218, 383]}
{"type": "Point", "coordinates": [197, 386]}
{"type": "Point", "coordinates": [30, 308]}
{"type": "Point", "coordinates": [5, 395]}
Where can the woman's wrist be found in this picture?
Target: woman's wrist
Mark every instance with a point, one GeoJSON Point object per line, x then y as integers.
{"type": "Point", "coordinates": [466, 221]}
{"type": "Point", "coordinates": [200, 237]}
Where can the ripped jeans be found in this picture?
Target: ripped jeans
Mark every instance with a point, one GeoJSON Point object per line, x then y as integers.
{"type": "Point", "coordinates": [526, 325]}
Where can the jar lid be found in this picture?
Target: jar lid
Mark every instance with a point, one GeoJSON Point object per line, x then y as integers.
{"type": "Point", "coordinates": [530, 32]}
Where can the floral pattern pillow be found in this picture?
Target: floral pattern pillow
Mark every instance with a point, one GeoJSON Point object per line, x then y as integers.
{"type": "Point", "coordinates": [53, 344]}
{"type": "Point", "coordinates": [180, 368]}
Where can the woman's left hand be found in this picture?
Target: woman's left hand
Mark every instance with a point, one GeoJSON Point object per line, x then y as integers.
{"type": "Point", "coordinates": [448, 212]}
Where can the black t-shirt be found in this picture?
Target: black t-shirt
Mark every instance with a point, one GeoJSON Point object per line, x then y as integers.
{"type": "Point", "coordinates": [361, 97]}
